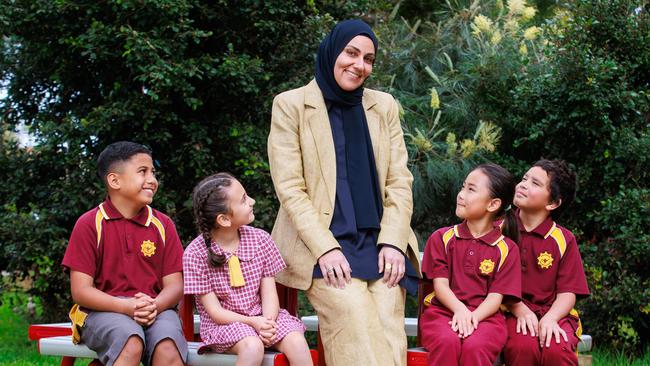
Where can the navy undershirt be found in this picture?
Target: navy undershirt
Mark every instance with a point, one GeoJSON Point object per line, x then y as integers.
{"type": "Point", "coordinates": [359, 246]}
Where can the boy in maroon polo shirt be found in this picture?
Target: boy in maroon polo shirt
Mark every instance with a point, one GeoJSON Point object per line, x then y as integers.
{"type": "Point", "coordinates": [125, 264]}
{"type": "Point", "coordinates": [543, 329]}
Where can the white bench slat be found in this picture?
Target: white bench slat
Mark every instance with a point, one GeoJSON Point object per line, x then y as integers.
{"type": "Point", "coordinates": [411, 328]}
{"type": "Point", "coordinates": [63, 346]}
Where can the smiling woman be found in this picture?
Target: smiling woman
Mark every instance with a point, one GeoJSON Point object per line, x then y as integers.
{"type": "Point", "coordinates": [338, 162]}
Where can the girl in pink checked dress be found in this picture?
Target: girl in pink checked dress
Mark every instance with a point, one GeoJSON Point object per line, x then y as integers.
{"type": "Point", "coordinates": [230, 268]}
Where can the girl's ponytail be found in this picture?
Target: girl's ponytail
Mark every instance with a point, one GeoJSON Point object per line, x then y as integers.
{"type": "Point", "coordinates": [209, 200]}
{"type": "Point", "coordinates": [510, 228]}
{"type": "Point", "coordinates": [502, 186]}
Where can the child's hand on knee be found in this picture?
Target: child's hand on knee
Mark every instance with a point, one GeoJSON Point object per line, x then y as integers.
{"type": "Point", "coordinates": [145, 309]}
{"type": "Point", "coordinates": [549, 329]}
{"type": "Point", "coordinates": [527, 322]}
{"type": "Point", "coordinates": [463, 322]}
{"type": "Point", "coordinates": [263, 325]}
{"type": "Point", "coordinates": [266, 328]}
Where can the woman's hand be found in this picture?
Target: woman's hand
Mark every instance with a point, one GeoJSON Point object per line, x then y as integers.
{"type": "Point", "coordinates": [464, 322]}
{"type": "Point", "coordinates": [549, 328]}
{"type": "Point", "coordinates": [391, 262]}
{"type": "Point", "coordinates": [335, 268]}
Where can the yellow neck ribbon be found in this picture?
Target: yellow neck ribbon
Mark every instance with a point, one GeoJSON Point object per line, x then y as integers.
{"type": "Point", "coordinates": [234, 269]}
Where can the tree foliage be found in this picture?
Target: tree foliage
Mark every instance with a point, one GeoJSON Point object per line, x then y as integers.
{"type": "Point", "coordinates": [193, 80]}
{"type": "Point", "coordinates": [576, 88]}
{"type": "Point", "coordinates": [476, 80]}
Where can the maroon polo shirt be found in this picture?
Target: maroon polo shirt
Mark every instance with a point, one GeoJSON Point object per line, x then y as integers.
{"type": "Point", "coordinates": [546, 271]}
{"type": "Point", "coordinates": [124, 256]}
{"type": "Point", "coordinates": [474, 266]}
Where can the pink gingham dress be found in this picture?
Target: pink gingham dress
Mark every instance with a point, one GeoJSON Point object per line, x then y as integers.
{"type": "Point", "coordinates": [259, 257]}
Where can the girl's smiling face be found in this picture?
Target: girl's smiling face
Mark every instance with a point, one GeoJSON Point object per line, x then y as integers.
{"type": "Point", "coordinates": [474, 200]}
{"type": "Point", "coordinates": [354, 63]}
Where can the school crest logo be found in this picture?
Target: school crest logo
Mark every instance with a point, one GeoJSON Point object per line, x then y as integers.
{"type": "Point", "coordinates": [545, 260]}
{"type": "Point", "coordinates": [148, 248]}
{"type": "Point", "coordinates": [487, 266]}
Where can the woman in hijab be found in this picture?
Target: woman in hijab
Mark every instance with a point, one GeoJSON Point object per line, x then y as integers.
{"type": "Point", "coordinates": [338, 163]}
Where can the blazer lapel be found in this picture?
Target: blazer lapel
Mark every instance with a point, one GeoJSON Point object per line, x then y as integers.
{"type": "Point", "coordinates": [374, 129]}
{"type": "Point", "coordinates": [317, 119]}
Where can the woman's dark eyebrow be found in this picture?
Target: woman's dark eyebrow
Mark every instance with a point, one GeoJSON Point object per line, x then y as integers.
{"type": "Point", "coordinates": [358, 50]}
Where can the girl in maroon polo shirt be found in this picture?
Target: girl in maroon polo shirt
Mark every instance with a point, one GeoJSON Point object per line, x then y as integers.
{"type": "Point", "coordinates": [543, 328]}
{"type": "Point", "coordinates": [230, 267]}
{"type": "Point", "coordinates": [474, 267]}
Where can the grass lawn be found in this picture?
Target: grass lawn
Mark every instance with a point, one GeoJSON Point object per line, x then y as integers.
{"type": "Point", "coordinates": [17, 350]}
{"type": "Point", "coordinates": [603, 357]}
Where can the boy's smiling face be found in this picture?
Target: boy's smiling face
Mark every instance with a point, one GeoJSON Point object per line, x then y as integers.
{"type": "Point", "coordinates": [533, 193]}
{"type": "Point", "coordinates": [135, 179]}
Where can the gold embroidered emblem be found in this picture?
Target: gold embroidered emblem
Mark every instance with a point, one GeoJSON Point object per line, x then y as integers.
{"type": "Point", "coordinates": [487, 266]}
{"type": "Point", "coordinates": [545, 260]}
{"type": "Point", "coordinates": [148, 248]}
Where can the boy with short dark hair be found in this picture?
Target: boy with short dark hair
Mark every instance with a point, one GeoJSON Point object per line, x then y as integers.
{"type": "Point", "coordinates": [543, 329]}
{"type": "Point", "coordinates": [125, 264]}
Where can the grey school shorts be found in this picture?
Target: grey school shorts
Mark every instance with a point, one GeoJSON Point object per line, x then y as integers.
{"type": "Point", "coordinates": [106, 333]}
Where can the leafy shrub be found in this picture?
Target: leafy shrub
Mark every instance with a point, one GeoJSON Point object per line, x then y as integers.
{"type": "Point", "coordinates": [193, 80]}
{"type": "Point", "coordinates": [576, 88]}
{"type": "Point", "coordinates": [588, 103]}
{"type": "Point", "coordinates": [453, 79]}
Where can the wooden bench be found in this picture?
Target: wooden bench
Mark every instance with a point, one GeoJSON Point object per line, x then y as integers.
{"type": "Point", "coordinates": [55, 339]}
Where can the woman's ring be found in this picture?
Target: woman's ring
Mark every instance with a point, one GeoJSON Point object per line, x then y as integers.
{"type": "Point", "coordinates": [388, 266]}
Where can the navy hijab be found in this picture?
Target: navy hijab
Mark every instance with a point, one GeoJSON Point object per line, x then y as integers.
{"type": "Point", "coordinates": [361, 168]}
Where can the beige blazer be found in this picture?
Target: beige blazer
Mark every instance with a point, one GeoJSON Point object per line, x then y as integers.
{"type": "Point", "coordinates": [303, 167]}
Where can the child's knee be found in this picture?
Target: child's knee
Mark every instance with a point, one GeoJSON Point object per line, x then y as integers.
{"type": "Point", "coordinates": [295, 340]}
{"type": "Point", "coordinates": [560, 354]}
{"type": "Point", "coordinates": [166, 350]}
{"type": "Point", "coordinates": [293, 344]}
{"type": "Point", "coordinates": [250, 348]}
{"type": "Point", "coordinates": [133, 348]}
{"type": "Point", "coordinates": [521, 343]}
{"type": "Point", "coordinates": [475, 345]}
{"type": "Point", "coordinates": [443, 341]}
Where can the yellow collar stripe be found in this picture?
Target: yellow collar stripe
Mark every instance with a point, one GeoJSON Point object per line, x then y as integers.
{"type": "Point", "coordinates": [101, 215]}
{"type": "Point", "coordinates": [159, 225]}
{"type": "Point", "coordinates": [153, 219]}
{"type": "Point", "coordinates": [98, 226]}
{"type": "Point", "coordinates": [104, 214]}
{"type": "Point", "coordinates": [497, 241]}
{"type": "Point", "coordinates": [446, 237]}
{"type": "Point", "coordinates": [558, 236]}
{"type": "Point", "coordinates": [503, 250]}
{"type": "Point", "coordinates": [149, 216]}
